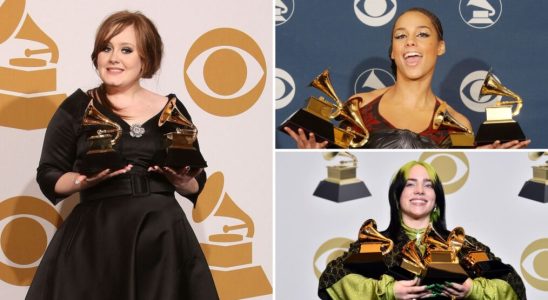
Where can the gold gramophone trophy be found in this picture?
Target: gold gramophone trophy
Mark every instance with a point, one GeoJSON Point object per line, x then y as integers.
{"type": "Point", "coordinates": [180, 148]}
{"type": "Point", "coordinates": [536, 188]}
{"type": "Point", "coordinates": [28, 80]}
{"type": "Point", "coordinates": [319, 113]}
{"type": "Point", "coordinates": [411, 265]}
{"type": "Point", "coordinates": [374, 246]}
{"type": "Point", "coordinates": [341, 183]}
{"type": "Point", "coordinates": [499, 124]}
{"type": "Point", "coordinates": [460, 136]}
{"type": "Point", "coordinates": [230, 253]}
{"type": "Point", "coordinates": [100, 155]}
{"type": "Point", "coordinates": [441, 260]}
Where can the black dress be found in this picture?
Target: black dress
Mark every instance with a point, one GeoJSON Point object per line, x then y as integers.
{"type": "Point", "coordinates": [128, 238]}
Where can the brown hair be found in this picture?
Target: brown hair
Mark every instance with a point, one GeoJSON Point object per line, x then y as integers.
{"type": "Point", "coordinates": [149, 43]}
{"type": "Point", "coordinates": [433, 18]}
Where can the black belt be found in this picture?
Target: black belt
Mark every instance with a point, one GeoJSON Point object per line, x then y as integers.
{"type": "Point", "coordinates": [131, 184]}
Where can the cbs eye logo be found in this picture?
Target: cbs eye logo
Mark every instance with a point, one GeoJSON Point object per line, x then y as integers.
{"type": "Point", "coordinates": [285, 88]}
{"type": "Point", "coordinates": [26, 226]}
{"type": "Point", "coordinates": [225, 72]}
{"type": "Point", "coordinates": [470, 90]}
{"type": "Point", "coordinates": [373, 79]}
{"type": "Point", "coordinates": [453, 168]}
{"type": "Point", "coordinates": [375, 12]}
{"type": "Point", "coordinates": [534, 264]}
{"type": "Point", "coordinates": [328, 251]}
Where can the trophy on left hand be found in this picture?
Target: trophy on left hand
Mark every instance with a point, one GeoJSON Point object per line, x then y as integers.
{"type": "Point", "coordinates": [100, 155]}
{"type": "Point", "coordinates": [499, 124]}
{"type": "Point", "coordinates": [180, 148]}
{"type": "Point", "coordinates": [318, 114]}
{"type": "Point", "coordinates": [459, 135]}
{"type": "Point", "coordinates": [369, 260]}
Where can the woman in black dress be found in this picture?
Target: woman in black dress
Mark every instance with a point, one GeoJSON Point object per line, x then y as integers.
{"type": "Point", "coordinates": [128, 238]}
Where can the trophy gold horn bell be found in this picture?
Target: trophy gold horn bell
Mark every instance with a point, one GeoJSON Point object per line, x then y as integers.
{"type": "Point", "coordinates": [443, 117]}
{"type": "Point", "coordinates": [93, 117]}
{"type": "Point", "coordinates": [347, 112]}
{"type": "Point", "coordinates": [369, 233]}
{"type": "Point", "coordinates": [491, 86]}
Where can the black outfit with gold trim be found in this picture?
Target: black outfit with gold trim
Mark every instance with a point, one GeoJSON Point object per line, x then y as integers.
{"type": "Point", "coordinates": [128, 238]}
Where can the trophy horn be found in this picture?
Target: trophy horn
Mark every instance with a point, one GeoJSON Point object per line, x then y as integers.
{"type": "Point", "coordinates": [333, 154]}
{"type": "Point", "coordinates": [172, 114]}
{"type": "Point", "coordinates": [536, 155]}
{"type": "Point", "coordinates": [491, 86]}
{"type": "Point", "coordinates": [349, 111]}
{"type": "Point", "coordinates": [443, 117]}
{"type": "Point", "coordinates": [323, 83]}
{"type": "Point", "coordinates": [412, 261]}
{"type": "Point", "coordinates": [369, 233]}
{"type": "Point", "coordinates": [456, 238]}
{"type": "Point", "coordinates": [93, 117]}
{"type": "Point", "coordinates": [434, 241]}
{"type": "Point", "coordinates": [352, 108]}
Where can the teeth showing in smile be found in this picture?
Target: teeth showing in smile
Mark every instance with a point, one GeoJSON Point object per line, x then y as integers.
{"type": "Point", "coordinates": [412, 54]}
{"type": "Point", "coordinates": [418, 201]}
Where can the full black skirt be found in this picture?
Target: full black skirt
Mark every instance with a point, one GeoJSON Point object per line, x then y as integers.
{"type": "Point", "coordinates": [124, 248]}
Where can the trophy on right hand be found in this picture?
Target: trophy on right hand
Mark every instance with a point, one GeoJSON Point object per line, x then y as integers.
{"type": "Point", "coordinates": [180, 142]}
{"type": "Point", "coordinates": [499, 124]}
{"type": "Point", "coordinates": [318, 114]}
{"type": "Point", "coordinates": [369, 261]}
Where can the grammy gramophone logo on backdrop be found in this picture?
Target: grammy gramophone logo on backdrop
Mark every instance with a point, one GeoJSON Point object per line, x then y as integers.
{"type": "Point", "coordinates": [229, 254]}
{"type": "Point", "coordinates": [28, 82]}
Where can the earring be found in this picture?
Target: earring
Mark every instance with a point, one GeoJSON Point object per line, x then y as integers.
{"type": "Point", "coordinates": [435, 214]}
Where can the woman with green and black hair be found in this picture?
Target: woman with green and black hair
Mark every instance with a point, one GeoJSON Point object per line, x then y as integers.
{"type": "Point", "coordinates": [417, 202]}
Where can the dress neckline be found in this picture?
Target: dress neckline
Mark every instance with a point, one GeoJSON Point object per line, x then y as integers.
{"type": "Point", "coordinates": [378, 103]}
{"type": "Point", "coordinates": [111, 114]}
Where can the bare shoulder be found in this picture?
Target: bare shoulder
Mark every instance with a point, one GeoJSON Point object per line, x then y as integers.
{"type": "Point", "coordinates": [369, 96]}
{"type": "Point", "coordinates": [459, 117]}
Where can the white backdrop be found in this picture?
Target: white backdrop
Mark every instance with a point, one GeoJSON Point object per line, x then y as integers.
{"type": "Point", "coordinates": [481, 196]}
{"type": "Point", "coordinates": [224, 136]}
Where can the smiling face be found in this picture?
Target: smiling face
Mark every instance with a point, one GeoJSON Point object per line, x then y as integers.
{"type": "Point", "coordinates": [418, 197]}
{"type": "Point", "coordinates": [416, 44]}
{"type": "Point", "coordinates": [119, 64]}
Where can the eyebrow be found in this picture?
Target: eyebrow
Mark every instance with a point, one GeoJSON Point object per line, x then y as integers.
{"type": "Point", "coordinates": [122, 44]}
{"type": "Point", "coordinates": [415, 179]}
{"type": "Point", "coordinates": [420, 27]}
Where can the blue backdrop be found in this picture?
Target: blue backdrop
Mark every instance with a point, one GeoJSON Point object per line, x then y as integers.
{"type": "Point", "coordinates": [352, 37]}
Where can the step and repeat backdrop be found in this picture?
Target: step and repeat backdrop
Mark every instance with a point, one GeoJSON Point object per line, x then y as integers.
{"type": "Point", "coordinates": [218, 61]}
{"type": "Point", "coordinates": [352, 37]}
{"type": "Point", "coordinates": [482, 195]}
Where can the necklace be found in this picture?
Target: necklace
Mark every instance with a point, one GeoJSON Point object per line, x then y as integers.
{"type": "Point", "coordinates": [136, 130]}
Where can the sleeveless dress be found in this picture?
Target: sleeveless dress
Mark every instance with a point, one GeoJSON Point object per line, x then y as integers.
{"type": "Point", "coordinates": [386, 135]}
{"type": "Point", "coordinates": [128, 238]}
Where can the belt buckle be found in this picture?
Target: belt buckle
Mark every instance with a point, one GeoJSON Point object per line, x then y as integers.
{"type": "Point", "coordinates": [140, 185]}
